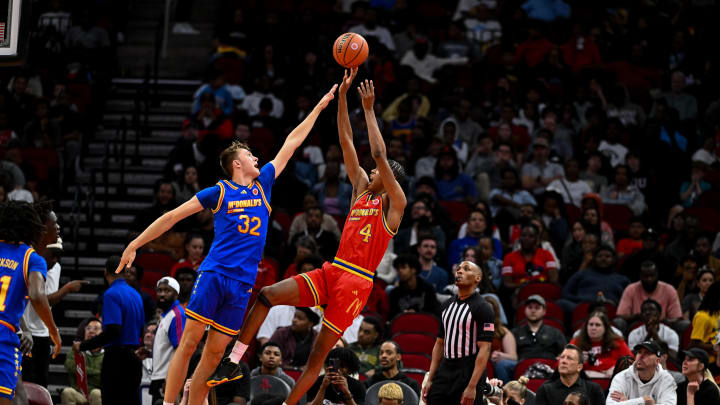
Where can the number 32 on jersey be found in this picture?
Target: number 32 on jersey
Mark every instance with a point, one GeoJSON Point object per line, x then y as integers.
{"type": "Point", "coordinates": [249, 225]}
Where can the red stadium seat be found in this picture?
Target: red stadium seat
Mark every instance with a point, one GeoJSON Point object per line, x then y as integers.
{"type": "Point", "coordinates": [416, 360]}
{"type": "Point", "coordinates": [552, 311]}
{"type": "Point", "coordinates": [415, 322]}
{"type": "Point", "coordinates": [603, 382]}
{"type": "Point", "coordinates": [489, 370]}
{"type": "Point", "coordinates": [262, 141]}
{"type": "Point", "coordinates": [710, 199]}
{"type": "Point", "coordinates": [617, 216]}
{"type": "Point", "coordinates": [686, 338]}
{"type": "Point", "coordinates": [580, 313]}
{"type": "Point", "coordinates": [524, 365]}
{"type": "Point", "coordinates": [535, 383]}
{"type": "Point", "coordinates": [362, 377]}
{"type": "Point", "coordinates": [415, 342]}
{"type": "Point", "coordinates": [283, 219]}
{"type": "Point", "coordinates": [293, 372]}
{"type": "Point", "coordinates": [45, 161]}
{"type": "Point", "coordinates": [37, 394]}
{"type": "Point", "coordinates": [549, 291]}
{"type": "Point", "coordinates": [155, 262]}
{"type": "Point", "coordinates": [458, 211]}
{"type": "Point", "coordinates": [573, 213]}
{"type": "Point", "coordinates": [416, 374]}
{"type": "Point", "coordinates": [710, 219]}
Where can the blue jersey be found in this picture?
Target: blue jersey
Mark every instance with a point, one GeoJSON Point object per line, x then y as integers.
{"type": "Point", "coordinates": [241, 220]}
{"type": "Point", "coordinates": [16, 264]}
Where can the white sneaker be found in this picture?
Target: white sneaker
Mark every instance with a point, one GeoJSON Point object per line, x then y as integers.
{"type": "Point", "coordinates": [184, 28]}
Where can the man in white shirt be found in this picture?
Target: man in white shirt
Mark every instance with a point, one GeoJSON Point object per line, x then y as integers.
{"type": "Point", "coordinates": [35, 368]}
{"type": "Point", "coordinates": [653, 329]}
{"type": "Point", "coordinates": [369, 28]}
{"type": "Point", "coordinates": [168, 332]}
{"type": "Point", "coordinates": [645, 382]}
{"type": "Point", "coordinates": [570, 187]}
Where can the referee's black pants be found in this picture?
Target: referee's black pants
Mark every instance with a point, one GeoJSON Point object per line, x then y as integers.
{"type": "Point", "coordinates": [121, 375]}
{"type": "Point", "coordinates": [450, 381]}
{"type": "Point", "coordinates": [35, 369]}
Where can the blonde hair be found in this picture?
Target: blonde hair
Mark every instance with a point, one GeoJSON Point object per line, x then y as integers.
{"type": "Point", "coordinates": [391, 391]}
{"type": "Point", "coordinates": [708, 376]}
{"type": "Point", "coordinates": [519, 386]}
{"type": "Point", "coordinates": [228, 155]}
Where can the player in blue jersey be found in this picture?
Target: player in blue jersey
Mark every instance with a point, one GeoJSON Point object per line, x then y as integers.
{"type": "Point", "coordinates": [241, 208]}
{"type": "Point", "coordinates": [22, 274]}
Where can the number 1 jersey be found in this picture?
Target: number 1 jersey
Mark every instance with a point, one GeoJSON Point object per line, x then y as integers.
{"type": "Point", "coordinates": [16, 264]}
{"type": "Point", "coordinates": [241, 220]}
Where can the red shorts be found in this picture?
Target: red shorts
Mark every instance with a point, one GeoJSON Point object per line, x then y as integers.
{"type": "Point", "coordinates": [344, 293]}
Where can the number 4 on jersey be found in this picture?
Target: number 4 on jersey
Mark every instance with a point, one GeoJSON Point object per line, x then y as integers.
{"type": "Point", "coordinates": [365, 232]}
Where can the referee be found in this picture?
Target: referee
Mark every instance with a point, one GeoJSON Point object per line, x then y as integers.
{"type": "Point", "coordinates": [462, 350]}
{"type": "Point", "coordinates": [123, 320]}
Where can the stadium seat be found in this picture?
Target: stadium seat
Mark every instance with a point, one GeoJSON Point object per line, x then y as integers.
{"type": "Point", "coordinates": [580, 313]}
{"type": "Point", "coordinates": [409, 395]}
{"type": "Point", "coordinates": [458, 211]}
{"type": "Point", "coordinates": [44, 161]}
{"type": "Point", "coordinates": [262, 141]}
{"type": "Point", "coordinates": [524, 365]}
{"type": "Point", "coordinates": [283, 219]}
{"type": "Point", "coordinates": [293, 372]}
{"type": "Point", "coordinates": [686, 337]}
{"type": "Point", "coordinates": [552, 310]}
{"type": "Point", "coordinates": [416, 360]}
{"type": "Point", "coordinates": [155, 262]}
{"type": "Point", "coordinates": [604, 383]}
{"type": "Point", "coordinates": [233, 68]}
{"type": "Point", "coordinates": [417, 374]}
{"type": "Point", "coordinates": [549, 291]}
{"type": "Point", "coordinates": [617, 216]}
{"type": "Point", "coordinates": [535, 383]}
{"type": "Point", "coordinates": [573, 213]}
{"type": "Point", "coordinates": [268, 383]}
{"type": "Point", "coordinates": [362, 377]}
{"type": "Point", "coordinates": [710, 219]}
{"type": "Point", "coordinates": [37, 394]}
{"type": "Point", "coordinates": [415, 342]}
{"type": "Point", "coordinates": [415, 322]}
{"type": "Point", "coordinates": [710, 199]}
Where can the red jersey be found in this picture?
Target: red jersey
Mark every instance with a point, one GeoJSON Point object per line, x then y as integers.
{"type": "Point", "coordinates": [365, 237]}
{"type": "Point", "coordinates": [537, 270]}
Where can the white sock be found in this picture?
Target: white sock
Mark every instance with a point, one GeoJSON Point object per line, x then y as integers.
{"type": "Point", "coordinates": [238, 351]}
{"type": "Point", "coordinates": [168, 403]}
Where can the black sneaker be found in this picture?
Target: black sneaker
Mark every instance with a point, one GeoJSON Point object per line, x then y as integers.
{"type": "Point", "coordinates": [228, 371]}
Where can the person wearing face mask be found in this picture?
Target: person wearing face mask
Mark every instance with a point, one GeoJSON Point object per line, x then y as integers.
{"type": "Point", "coordinates": [585, 285]}
{"type": "Point", "coordinates": [630, 307]}
{"type": "Point", "coordinates": [168, 333]}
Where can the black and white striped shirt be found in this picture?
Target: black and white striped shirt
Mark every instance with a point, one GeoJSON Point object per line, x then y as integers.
{"type": "Point", "coordinates": [464, 323]}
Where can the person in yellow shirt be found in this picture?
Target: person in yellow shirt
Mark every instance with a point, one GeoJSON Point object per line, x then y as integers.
{"type": "Point", "coordinates": [705, 322]}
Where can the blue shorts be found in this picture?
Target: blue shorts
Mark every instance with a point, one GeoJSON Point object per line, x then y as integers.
{"type": "Point", "coordinates": [10, 361]}
{"type": "Point", "coordinates": [219, 301]}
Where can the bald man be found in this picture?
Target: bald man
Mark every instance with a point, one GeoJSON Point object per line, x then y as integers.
{"type": "Point", "coordinates": [459, 358]}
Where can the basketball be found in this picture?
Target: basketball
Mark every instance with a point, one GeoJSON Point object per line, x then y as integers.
{"type": "Point", "coordinates": [350, 50]}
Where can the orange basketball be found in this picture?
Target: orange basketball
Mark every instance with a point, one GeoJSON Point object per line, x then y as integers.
{"type": "Point", "coordinates": [350, 50]}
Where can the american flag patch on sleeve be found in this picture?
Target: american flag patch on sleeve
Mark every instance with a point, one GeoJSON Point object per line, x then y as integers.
{"type": "Point", "coordinates": [489, 327]}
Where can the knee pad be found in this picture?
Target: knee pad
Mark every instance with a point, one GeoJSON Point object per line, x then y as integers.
{"type": "Point", "coordinates": [263, 299]}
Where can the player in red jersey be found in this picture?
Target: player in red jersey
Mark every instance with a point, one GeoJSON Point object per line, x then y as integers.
{"type": "Point", "coordinates": [345, 284]}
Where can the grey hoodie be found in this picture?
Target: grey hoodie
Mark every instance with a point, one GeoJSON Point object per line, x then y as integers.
{"type": "Point", "coordinates": [661, 388]}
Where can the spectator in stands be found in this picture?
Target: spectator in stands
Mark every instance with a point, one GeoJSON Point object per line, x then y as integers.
{"type": "Point", "coordinates": [504, 347]}
{"type": "Point", "coordinates": [133, 277]}
{"type": "Point", "coordinates": [592, 214]}
{"type": "Point", "coordinates": [371, 28]}
{"type": "Point", "coordinates": [478, 225]}
{"type": "Point", "coordinates": [452, 185]}
{"type": "Point", "coordinates": [340, 364]}
{"type": "Point", "coordinates": [530, 263]}
{"type": "Point", "coordinates": [705, 255]}
{"type": "Point", "coordinates": [652, 329]}
{"type": "Point", "coordinates": [429, 270]}
{"type": "Point", "coordinates": [413, 294]}
{"type": "Point", "coordinates": [509, 197]}
{"type": "Point", "coordinates": [300, 221]}
{"type": "Point", "coordinates": [484, 253]}
{"type": "Point", "coordinates": [194, 249]}
{"type": "Point", "coordinates": [630, 307]}
{"type": "Point", "coordinates": [651, 251]}
{"type": "Point", "coordinates": [41, 131]}
{"type": "Point", "coordinates": [72, 395]}
{"type": "Point", "coordinates": [569, 379]}
{"type": "Point", "coordinates": [687, 271]}
{"type": "Point", "coordinates": [705, 322]}
{"type": "Point", "coordinates": [677, 98]}
{"type": "Point", "coordinates": [539, 173]}
{"type": "Point", "coordinates": [633, 243]}
{"type": "Point", "coordinates": [593, 173]}
{"type": "Point", "coordinates": [168, 333]}
{"type": "Point", "coordinates": [596, 306]}
{"type": "Point", "coordinates": [186, 277]}
{"type": "Point", "coordinates": [421, 222]}
{"type": "Point", "coordinates": [699, 386]}
{"type": "Point", "coordinates": [367, 348]}
{"type": "Point", "coordinates": [645, 381]}
{"type": "Point", "coordinates": [390, 357]}
{"type": "Point", "coordinates": [333, 194]}
{"type": "Point", "coordinates": [570, 186]}
{"type": "Point", "coordinates": [535, 339]}
{"type": "Point", "coordinates": [296, 340]}
{"type": "Point", "coordinates": [706, 153]}
{"type": "Point", "coordinates": [145, 352]}
{"type": "Point", "coordinates": [251, 103]}
{"type": "Point", "coordinates": [664, 357]}
{"type": "Point", "coordinates": [424, 64]}
{"type": "Point", "coordinates": [705, 278]}
{"type": "Point", "coordinates": [390, 394]}
{"type": "Point", "coordinates": [271, 360]}
{"type": "Point", "coordinates": [574, 254]}
{"type": "Point", "coordinates": [600, 345]}
{"type": "Point", "coordinates": [188, 186]}
{"type": "Point", "coordinates": [622, 192]}
{"type": "Point", "coordinates": [326, 241]}
{"type": "Point", "coordinates": [601, 278]}
{"type": "Point", "coordinates": [215, 86]}
{"type": "Point", "coordinates": [278, 317]}
{"type": "Point", "coordinates": [690, 191]}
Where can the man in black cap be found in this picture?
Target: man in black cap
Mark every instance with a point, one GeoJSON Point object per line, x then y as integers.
{"type": "Point", "coordinates": [295, 341]}
{"type": "Point", "coordinates": [698, 389]}
{"type": "Point", "coordinates": [645, 382]}
{"type": "Point", "coordinates": [535, 339]}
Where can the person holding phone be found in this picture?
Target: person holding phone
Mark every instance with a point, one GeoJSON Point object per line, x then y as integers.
{"type": "Point", "coordinates": [336, 386]}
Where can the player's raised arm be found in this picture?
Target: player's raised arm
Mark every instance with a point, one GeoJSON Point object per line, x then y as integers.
{"type": "Point", "coordinates": [358, 177]}
{"type": "Point", "coordinates": [298, 135]}
{"type": "Point", "coordinates": [157, 228]}
{"type": "Point", "coordinates": [379, 153]}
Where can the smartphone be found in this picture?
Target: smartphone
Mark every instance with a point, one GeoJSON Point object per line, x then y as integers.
{"type": "Point", "coordinates": [333, 365]}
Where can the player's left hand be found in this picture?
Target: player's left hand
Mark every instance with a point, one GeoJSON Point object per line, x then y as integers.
{"type": "Point", "coordinates": [367, 94]}
{"type": "Point", "coordinates": [468, 396]}
{"type": "Point", "coordinates": [327, 98]}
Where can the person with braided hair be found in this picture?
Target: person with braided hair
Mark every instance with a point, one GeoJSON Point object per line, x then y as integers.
{"type": "Point", "coordinates": [24, 228]}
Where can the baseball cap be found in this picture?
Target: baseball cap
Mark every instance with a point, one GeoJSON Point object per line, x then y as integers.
{"type": "Point", "coordinates": [171, 282]}
{"type": "Point", "coordinates": [312, 316]}
{"type": "Point", "coordinates": [650, 346]}
{"type": "Point", "coordinates": [540, 141]}
{"type": "Point", "coordinates": [536, 298]}
{"type": "Point", "coordinates": [697, 353]}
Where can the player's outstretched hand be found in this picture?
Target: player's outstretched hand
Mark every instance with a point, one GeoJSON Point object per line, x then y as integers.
{"type": "Point", "coordinates": [127, 259]}
{"type": "Point", "coordinates": [347, 80]}
{"type": "Point", "coordinates": [367, 94]}
{"type": "Point", "coordinates": [55, 337]}
{"type": "Point", "coordinates": [327, 98]}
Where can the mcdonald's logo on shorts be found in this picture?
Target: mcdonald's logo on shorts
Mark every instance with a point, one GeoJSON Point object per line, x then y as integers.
{"type": "Point", "coordinates": [355, 307]}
